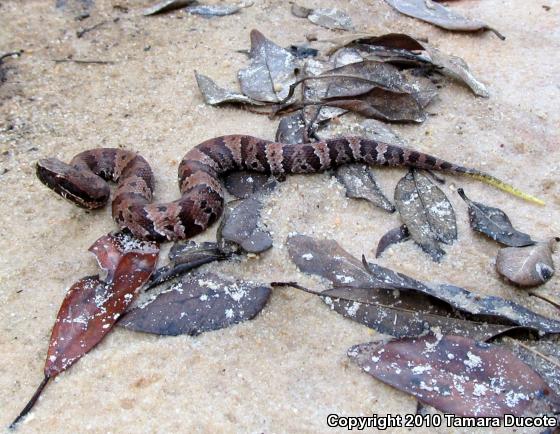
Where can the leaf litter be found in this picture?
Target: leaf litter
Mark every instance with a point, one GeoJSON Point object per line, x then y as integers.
{"type": "Point", "coordinates": [458, 375]}
{"type": "Point", "coordinates": [327, 259]}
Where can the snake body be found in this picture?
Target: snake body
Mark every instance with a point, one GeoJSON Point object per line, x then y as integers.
{"type": "Point", "coordinates": [83, 180]}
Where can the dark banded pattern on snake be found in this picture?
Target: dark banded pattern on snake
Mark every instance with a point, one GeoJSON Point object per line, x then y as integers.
{"type": "Point", "coordinates": [82, 181]}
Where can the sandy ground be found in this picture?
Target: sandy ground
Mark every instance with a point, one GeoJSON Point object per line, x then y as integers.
{"type": "Point", "coordinates": [286, 370]}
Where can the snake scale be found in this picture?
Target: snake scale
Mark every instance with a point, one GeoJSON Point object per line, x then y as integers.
{"type": "Point", "coordinates": [83, 180]}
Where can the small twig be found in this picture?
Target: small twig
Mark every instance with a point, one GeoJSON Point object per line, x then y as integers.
{"type": "Point", "coordinates": [85, 62]}
{"type": "Point", "coordinates": [544, 298]}
{"type": "Point", "coordinates": [295, 285]}
{"type": "Point", "coordinates": [82, 32]}
{"type": "Point", "coordinates": [31, 402]}
{"type": "Point", "coordinates": [10, 54]}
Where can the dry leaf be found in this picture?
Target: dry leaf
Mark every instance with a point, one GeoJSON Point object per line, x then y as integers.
{"type": "Point", "coordinates": [359, 182]}
{"type": "Point", "coordinates": [494, 223]}
{"type": "Point", "coordinates": [240, 225]}
{"type": "Point", "coordinates": [271, 72]}
{"type": "Point", "coordinates": [330, 18]}
{"type": "Point", "coordinates": [198, 304]}
{"type": "Point", "coordinates": [396, 235]}
{"type": "Point", "coordinates": [328, 260]}
{"type": "Point", "coordinates": [440, 16]}
{"type": "Point", "coordinates": [458, 375]}
{"type": "Point", "coordinates": [215, 95]}
{"type": "Point", "coordinates": [93, 305]}
{"type": "Point", "coordinates": [427, 213]}
{"type": "Point", "coordinates": [185, 256]}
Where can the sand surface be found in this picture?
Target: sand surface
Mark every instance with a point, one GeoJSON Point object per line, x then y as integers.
{"type": "Point", "coordinates": [286, 370]}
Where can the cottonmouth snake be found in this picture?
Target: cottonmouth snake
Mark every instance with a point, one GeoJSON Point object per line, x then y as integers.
{"type": "Point", "coordinates": [82, 181]}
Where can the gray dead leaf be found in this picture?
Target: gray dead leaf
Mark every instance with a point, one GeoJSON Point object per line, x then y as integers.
{"type": "Point", "coordinates": [198, 304]}
{"type": "Point", "coordinates": [439, 15]}
{"type": "Point", "coordinates": [395, 235]}
{"type": "Point", "coordinates": [427, 213]}
{"type": "Point", "coordinates": [399, 316]}
{"type": "Point", "coordinates": [527, 266]}
{"type": "Point", "coordinates": [166, 6]}
{"type": "Point", "coordinates": [240, 225]}
{"type": "Point", "coordinates": [423, 89]}
{"type": "Point", "coordinates": [215, 95]}
{"type": "Point", "coordinates": [185, 256]}
{"type": "Point", "coordinates": [359, 182]}
{"type": "Point", "coordinates": [345, 56]}
{"type": "Point", "coordinates": [243, 184]}
{"type": "Point", "coordinates": [459, 375]}
{"type": "Point", "coordinates": [494, 223]}
{"type": "Point", "coordinates": [218, 10]}
{"type": "Point", "coordinates": [457, 68]}
{"type": "Point", "coordinates": [330, 18]}
{"type": "Point", "coordinates": [292, 128]}
{"type": "Point", "coordinates": [271, 72]}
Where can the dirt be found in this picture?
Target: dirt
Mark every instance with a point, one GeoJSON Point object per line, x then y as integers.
{"type": "Point", "coordinates": [286, 370]}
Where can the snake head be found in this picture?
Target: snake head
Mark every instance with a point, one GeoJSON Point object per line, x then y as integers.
{"type": "Point", "coordinates": [81, 187]}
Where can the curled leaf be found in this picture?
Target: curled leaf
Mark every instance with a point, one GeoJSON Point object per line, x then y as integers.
{"type": "Point", "coordinates": [494, 223]}
{"type": "Point", "coordinates": [216, 95]}
{"type": "Point", "coordinates": [433, 13]}
{"type": "Point", "coordinates": [458, 375]}
{"type": "Point", "coordinates": [427, 213]}
{"type": "Point", "coordinates": [271, 71]}
{"type": "Point", "coordinates": [359, 182]}
{"type": "Point", "coordinates": [527, 266]}
{"type": "Point", "coordinates": [186, 256]}
{"type": "Point", "coordinates": [197, 304]}
{"type": "Point", "coordinates": [395, 235]}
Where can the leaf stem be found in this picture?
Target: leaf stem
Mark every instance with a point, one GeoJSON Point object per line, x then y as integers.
{"type": "Point", "coordinates": [31, 402]}
{"type": "Point", "coordinates": [297, 286]}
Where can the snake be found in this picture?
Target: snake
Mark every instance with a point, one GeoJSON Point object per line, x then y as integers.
{"type": "Point", "coordinates": [83, 180]}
